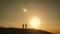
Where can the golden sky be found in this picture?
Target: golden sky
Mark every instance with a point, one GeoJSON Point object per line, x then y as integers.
{"type": "Point", "coordinates": [12, 14]}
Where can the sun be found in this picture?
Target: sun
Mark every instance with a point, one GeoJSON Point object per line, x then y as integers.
{"type": "Point", "coordinates": [34, 22]}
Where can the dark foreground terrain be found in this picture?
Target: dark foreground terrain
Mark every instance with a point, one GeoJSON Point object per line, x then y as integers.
{"type": "Point", "coordinates": [21, 31]}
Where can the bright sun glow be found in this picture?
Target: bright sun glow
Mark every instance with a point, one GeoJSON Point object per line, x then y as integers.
{"type": "Point", "coordinates": [34, 22]}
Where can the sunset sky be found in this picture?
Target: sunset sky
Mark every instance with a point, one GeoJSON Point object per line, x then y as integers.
{"type": "Point", "coordinates": [12, 14]}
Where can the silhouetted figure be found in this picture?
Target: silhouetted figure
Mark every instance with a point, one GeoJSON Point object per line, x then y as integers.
{"type": "Point", "coordinates": [22, 26]}
{"type": "Point", "coordinates": [25, 26]}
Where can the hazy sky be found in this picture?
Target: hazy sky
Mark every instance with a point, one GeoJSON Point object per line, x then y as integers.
{"type": "Point", "coordinates": [11, 12]}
